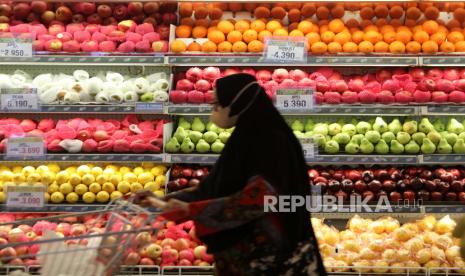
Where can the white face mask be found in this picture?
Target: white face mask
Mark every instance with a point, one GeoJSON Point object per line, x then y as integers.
{"type": "Point", "coordinates": [240, 94]}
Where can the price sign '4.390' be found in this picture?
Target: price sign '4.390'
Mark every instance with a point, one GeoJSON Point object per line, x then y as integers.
{"type": "Point", "coordinates": [286, 50]}
{"type": "Point", "coordinates": [294, 99]}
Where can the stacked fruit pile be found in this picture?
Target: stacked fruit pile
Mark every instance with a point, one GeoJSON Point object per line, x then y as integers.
{"type": "Point", "coordinates": [89, 135]}
{"type": "Point", "coordinates": [87, 27]}
{"type": "Point", "coordinates": [197, 137]}
{"type": "Point", "coordinates": [385, 245]}
{"type": "Point", "coordinates": [185, 176]}
{"type": "Point", "coordinates": [81, 87]}
{"type": "Point", "coordinates": [195, 85]}
{"type": "Point", "coordinates": [398, 184]}
{"type": "Point", "coordinates": [380, 137]}
{"type": "Point", "coordinates": [87, 183]}
{"type": "Point", "coordinates": [171, 245]}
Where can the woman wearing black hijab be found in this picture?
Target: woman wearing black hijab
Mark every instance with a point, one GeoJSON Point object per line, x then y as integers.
{"type": "Point", "coordinates": [246, 240]}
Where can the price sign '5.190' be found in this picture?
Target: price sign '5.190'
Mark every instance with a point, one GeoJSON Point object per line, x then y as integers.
{"type": "Point", "coordinates": [286, 50]}
{"type": "Point", "coordinates": [19, 100]}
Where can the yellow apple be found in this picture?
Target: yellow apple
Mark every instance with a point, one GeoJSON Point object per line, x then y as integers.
{"type": "Point", "coordinates": [88, 179]}
{"type": "Point", "coordinates": [53, 188]}
{"type": "Point", "coordinates": [88, 197]}
{"type": "Point", "coordinates": [80, 189]}
{"type": "Point", "coordinates": [130, 177]}
{"type": "Point", "coordinates": [124, 187]}
{"type": "Point", "coordinates": [34, 177]}
{"type": "Point", "coordinates": [96, 171]}
{"type": "Point", "coordinates": [101, 179]}
{"type": "Point", "coordinates": [138, 170]}
{"type": "Point", "coordinates": [159, 193]}
{"type": "Point", "coordinates": [102, 196]}
{"type": "Point", "coordinates": [57, 197]}
{"type": "Point", "coordinates": [108, 187]}
{"type": "Point", "coordinates": [95, 188]}
{"type": "Point", "coordinates": [74, 179]}
{"type": "Point", "coordinates": [66, 188]}
{"type": "Point", "coordinates": [72, 197]}
{"type": "Point", "coordinates": [115, 195]}
{"type": "Point", "coordinates": [62, 177]}
{"type": "Point", "coordinates": [152, 186]}
{"type": "Point", "coordinates": [54, 167]}
{"type": "Point", "coordinates": [145, 177]}
{"type": "Point", "coordinates": [136, 186]}
{"type": "Point", "coordinates": [83, 169]}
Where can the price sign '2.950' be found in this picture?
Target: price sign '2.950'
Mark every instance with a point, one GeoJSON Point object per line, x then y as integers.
{"type": "Point", "coordinates": [16, 47]}
{"type": "Point", "coordinates": [294, 99]}
{"type": "Point", "coordinates": [286, 50]}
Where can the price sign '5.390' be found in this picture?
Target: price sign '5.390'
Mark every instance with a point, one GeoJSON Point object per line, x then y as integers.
{"type": "Point", "coordinates": [294, 99]}
{"type": "Point", "coordinates": [286, 50]}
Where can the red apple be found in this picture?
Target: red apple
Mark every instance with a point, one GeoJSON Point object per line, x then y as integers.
{"type": "Point", "coordinates": [63, 14]}
{"type": "Point", "coordinates": [104, 10]}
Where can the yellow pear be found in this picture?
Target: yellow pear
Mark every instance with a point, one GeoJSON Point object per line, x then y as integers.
{"type": "Point", "coordinates": [130, 177]}
{"type": "Point", "coordinates": [161, 180]}
{"type": "Point", "coordinates": [136, 186]}
{"type": "Point", "coordinates": [152, 186]}
{"type": "Point", "coordinates": [101, 179]}
{"type": "Point", "coordinates": [108, 187]}
{"type": "Point", "coordinates": [102, 196]}
{"type": "Point", "coordinates": [62, 177]}
{"type": "Point", "coordinates": [19, 178]}
{"type": "Point", "coordinates": [57, 197]}
{"type": "Point", "coordinates": [34, 177]}
{"type": "Point", "coordinates": [6, 176]}
{"type": "Point", "coordinates": [72, 197]}
{"type": "Point", "coordinates": [138, 170]}
{"type": "Point", "coordinates": [109, 171]}
{"type": "Point", "coordinates": [95, 188]}
{"type": "Point", "coordinates": [80, 189]}
{"type": "Point", "coordinates": [96, 171]}
{"type": "Point", "coordinates": [88, 197]}
{"type": "Point", "coordinates": [17, 169]}
{"type": "Point", "coordinates": [83, 169]}
{"type": "Point", "coordinates": [48, 177]}
{"type": "Point", "coordinates": [46, 197]}
{"type": "Point", "coordinates": [159, 193]}
{"type": "Point", "coordinates": [115, 195]}
{"type": "Point", "coordinates": [115, 178]}
{"type": "Point", "coordinates": [88, 179]}
{"type": "Point", "coordinates": [28, 170]}
{"type": "Point", "coordinates": [124, 169]}
{"type": "Point", "coordinates": [54, 167]}
{"type": "Point", "coordinates": [147, 165]}
{"type": "Point", "coordinates": [53, 188]}
{"type": "Point", "coordinates": [145, 177]}
{"type": "Point", "coordinates": [124, 187]}
{"type": "Point", "coordinates": [2, 197]}
{"type": "Point", "coordinates": [71, 169]}
{"type": "Point", "coordinates": [66, 188]}
{"type": "Point", "coordinates": [42, 169]}
{"type": "Point", "coordinates": [74, 179]}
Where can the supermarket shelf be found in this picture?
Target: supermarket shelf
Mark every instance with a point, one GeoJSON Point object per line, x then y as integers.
{"type": "Point", "coordinates": [62, 208]}
{"type": "Point", "coordinates": [442, 159]}
{"type": "Point", "coordinates": [187, 270]}
{"type": "Point", "coordinates": [450, 60]}
{"type": "Point", "coordinates": [69, 157]}
{"type": "Point", "coordinates": [192, 158]}
{"type": "Point", "coordinates": [188, 109]}
{"type": "Point", "coordinates": [87, 108]}
{"type": "Point", "coordinates": [443, 110]}
{"type": "Point", "coordinates": [363, 159]}
{"type": "Point", "coordinates": [96, 58]}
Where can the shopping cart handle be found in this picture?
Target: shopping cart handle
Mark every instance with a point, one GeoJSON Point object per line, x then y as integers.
{"type": "Point", "coordinates": [156, 202]}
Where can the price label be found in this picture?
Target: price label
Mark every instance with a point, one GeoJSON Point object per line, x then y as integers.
{"type": "Point", "coordinates": [25, 147]}
{"type": "Point", "coordinates": [309, 148]}
{"type": "Point", "coordinates": [25, 196]}
{"type": "Point", "coordinates": [294, 99]}
{"type": "Point", "coordinates": [11, 47]}
{"type": "Point", "coordinates": [286, 50]}
{"type": "Point", "coordinates": [149, 107]}
{"type": "Point", "coordinates": [25, 100]}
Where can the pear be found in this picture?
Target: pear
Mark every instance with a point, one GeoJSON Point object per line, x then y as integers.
{"type": "Point", "coordinates": [395, 126]}
{"type": "Point", "coordinates": [299, 134]}
{"type": "Point", "coordinates": [217, 146]}
{"type": "Point", "coordinates": [396, 147]}
{"type": "Point", "coordinates": [403, 137]}
{"type": "Point", "coordinates": [224, 136]}
{"type": "Point", "coordinates": [321, 128]}
{"type": "Point", "coordinates": [202, 146]}
{"type": "Point", "coordinates": [412, 147]}
{"type": "Point", "coordinates": [184, 124]}
{"type": "Point", "coordinates": [187, 146]}
{"type": "Point", "coordinates": [173, 145]}
{"type": "Point", "coordinates": [418, 137]}
{"type": "Point", "coordinates": [309, 125]}
{"type": "Point", "coordinates": [319, 139]}
{"type": "Point", "coordinates": [434, 137]}
{"type": "Point", "coordinates": [410, 127]}
{"type": "Point", "coordinates": [198, 125]}
{"type": "Point", "coordinates": [425, 126]}
{"type": "Point", "coordinates": [444, 147]}
{"type": "Point", "coordinates": [357, 138]}
{"type": "Point", "coordinates": [352, 147]}
{"type": "Point", "coordinates": [382, 147]}
{"type": "Point", "coordinates": [180, 134]}
{"type": "Point", "coordinates": [308, 134]}
{"type": "Point", "coordinates": [342, 138]}
{"type": "Point", "coordinates": [459, 146]}
{"type": "Point", "coordinates": [428, 147]}
{"type": "Point", "coordinates": [195, 136]}
{"type": "Point", "coordinates": [230, 130]}
{"type": "Point", "coordinates": [451, 138]}
{"type": "Point", "coordinates": [366, 146]}
{"type": "Point", "coordinates": [439, 125]}
{"type": "Point", "coordinates": [388, 137]}
{"type": "Point", "coordinates": [462, 135]}
{"type": "Point", "coordinates": [210, 136]}
{"type": "Point", "coordinates": [331, 147]}
{"type": "Point", "coordinates": [373, 136]}
{"type": "Point", "coordinates": [349, 129]}
{"type": "Point", "coordinates": [212, 127]}
{"type": "Point", "coordinates": [297, 126]}
{"type": "Point", "coordinates": [455, 126]}
{"type": "Point", "coordinates": [363, 127]}
{"type": "Point", "coordinates": [380, 125]}
{"type": "Point", "coordinates": [334, 129]}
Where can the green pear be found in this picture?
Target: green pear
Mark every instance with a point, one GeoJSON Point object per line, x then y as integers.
{"type": "Point", "coordinates": [352, 148]}
{"type": "Point", "coordinates": [210, 136]}
{"type": "Point", "coordinates": [455, 126]}
{"type": "Point", "coordinates": [195, 136]}
{"type": "Point", "coordinates": [373, 136]}
{"type": "Point", "coordinates": [309, 125]}
{"type": "Point", "coordinates": [342, 138]}
{"type": "Point", "coordinates": [428, 147]}
{"type": "Point", "coordinates": [434, 137]}
{"type": "Point", "coordinates": [357, 138]}
{"type": "Point", "coordinates": [410, 127]}
{"type": "Point", "coordinates": [331, 147]}
{"type": "Point", "coordinates": [334, 129]}
{"type": "Point", "coordinates": [451, 138]}
{"type": "Point", "coordinates": [362, 127]}
{"type": "Point", "coordinates": [180, 134]}
{"type": "Point", "coordinates": [230, 130]}
{"type": "Point", "coordinates": [184, 124]}
{"type": "Point", "coordinates": [462, 135]}
{"type": "Point", "coordinates": [349, 129]}
{"type": "Point", "coordinates": [217, 146]}
{"type": "Point", "coordinates": [173, 145]}
{"type": "Point", "coordinates": [147, 97]}
{"type": "Point", "coordinates": [444, 147]}
{"type": "Point", "coordinates": [439, 125]}
{"type": "Point", "coordinates": [396, 147]}
{"type": "Point", "coordinates": [395, 126]}
{"type": "Point", "coordinates": [321, 128]}
{"type": "Point", "coordinates": [459, 146]}
{"type": "Point", "coordinates": [319, 139]}
{"type": "Point", "coordinates": [202, 146]}
{"type": "Point", "coordinates": [388, 137]}
{"type": "Point", "coordinates": [297, 126]}
{"type": "Point", "coordinates": [412, 147]}
{"type": "Point", "coordinates": [366, 146]}
{"type": "Point", "coordinates": [403, 137]}
{"type": "Point", "coordinates": [224, 136]}
{"type": "Point", "coordinates": [187, 146]}
{"type": "Point", "coordinates": [298, 134]}
{"type": "Point", "coordinates": [308, 134]}
{"type": "Point", "coordinates": [418, 137]}
{"type": "Point", "coordinates": [212, 127]}
{"type": "Point", "coordinates": [380, 125]}
{"type": "Point", "coordinates": [198, 125]}
{"type": "Point", "coordinates": [382, 147]}
{"type": "Point", "coordinates": [425, 126]}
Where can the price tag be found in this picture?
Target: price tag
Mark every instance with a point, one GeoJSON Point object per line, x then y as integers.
{"type": "Point", "coordinates": [294, 99]}
{"type": "Point", "coordinates": [25, 147]}
{"type": "Point", "coordinates": [309, 148]}
{"type": "Point", "coordinates": [25, 100]}
{"type": "Point", "coordinates": [25, 196]}
{"type": "Point", "coordinates": [12, 47]}
{"type": "Point", "coordinates": [149, 107]}
{"type": "Point", "coordinates": [286, 50]}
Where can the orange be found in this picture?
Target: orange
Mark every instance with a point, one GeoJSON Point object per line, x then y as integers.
{"type": "Point", "coordinates": [336, 25]}
{"type": "Point", "coordinates": [404, 36]}
{"type": "Point", "coordinates": [312, 38]}
{"type": "Point", "coordinates": [381, 47]}
{"type": "Point", "coordinates": [443, 29]}
{"type": "Point", "coordinates": [194, 47]}
{"type": "Point", "coordinates": [386, 28]}
{"type": "Point", "coordinates": [319, 48]}
{"type": "Point", "coordinates": [365, 47]}
{"type": "Point", "coordinates": [239, 47]}
{"type": "Point", "coordinates": [249, 35]}
{"type": "Point", "coordinates": [305, 27]}
{"type": "Point", "coordinates": [258, 25]}
{"type": "Point", "coordinates": [334, 47]}
{"type": "Point", "coordinates": [372, 36]}
{"type": "Point", "coordinates": [225, 26]}
{"type": "Point", "coordinates": [209, 46]}
{"type": "Point", "coordinates": [342, 37]}
{"type": "Point", "coordinates": [413, 47]}
{"type": "Point", "coordinates": [280, 32]}
{"type": "Point", "coordinates": [216, 36]}
{"type": "Point", "coordinates": [357, 36]}
{"type": "Point", "coordinates": [202, 22]}
{"type": "Point", "coordinates": [447, 47]}
{"type": "Point", "coordinates": [183, 31]}
{"type": "Point", "coordinates": [430, 26]}
{"type": "Point", "coordinates": [211, 29]}
{"type": "Point", "coordinates": [350, 47]}
{"type": "Point", "coordinates": [241, 26]}
{"type": "Point", "coordinates": [455, 37]}
{"type": "Point", "coordinates": [430, 47]}
{"type": "Point", "coordinates": [296, 33]}
{"type": "Point", "coordinates": [255, 46]}
{"type": "Point", "coordinates": [417, 28]}
{"type": "Point", "coordinates": [460, 46]}
{"type": "Point", "coordinates": [439, 37]}
{"type": "Point", "coordinates": [315, 28]}
{"type": "Point", "coordinates": [224, 47]}
{"type": "Point", "coordinates": [199, 32]}
{"type": "Point", "coordinates": [263, 35]}
{"type": "Point", "coordinates": [368, 28]}
{"type": "Point", "coordinates": [421, 37]}
{"type": "Point", "coordinates": [273, 25]}
{"type": "Point", "coordinates": [178, 46]}
{"type": "Point", "coordinates": [397, 47]}
{"type": "Point", "coordinates": [323, 29]}
{"type": "Point", "coordinates": [389, 37]}
{"type": "Point", "coordinates": [327, 37]}
{"type": "Point", "coordinates": [234, 36]}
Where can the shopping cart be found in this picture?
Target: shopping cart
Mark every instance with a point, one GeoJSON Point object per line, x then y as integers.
{"type": "Point", "coordinates": [95, 249]}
